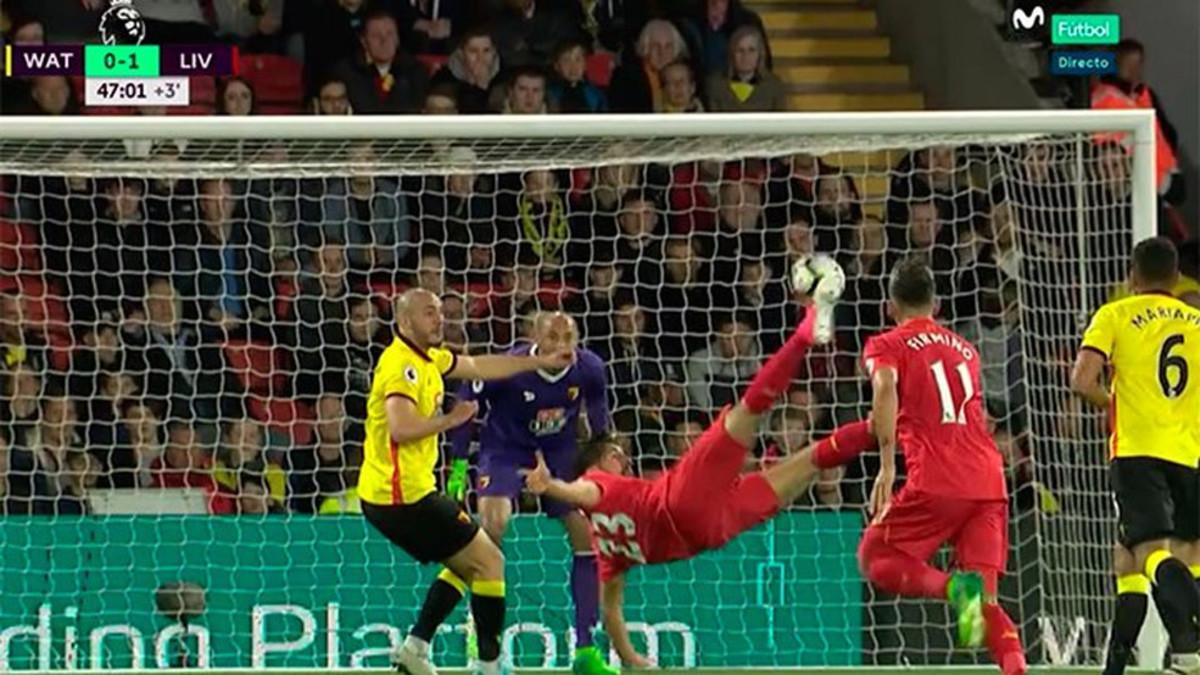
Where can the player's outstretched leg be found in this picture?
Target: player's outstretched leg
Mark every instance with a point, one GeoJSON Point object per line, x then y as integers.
{"type": "Point", "coordinates": [1133, 599]}
{"type": "Point", "coordinates": [791, 477]}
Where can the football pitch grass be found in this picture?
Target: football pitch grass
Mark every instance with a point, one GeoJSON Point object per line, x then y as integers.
{"type": "Point", "coordinates": [848, 670]}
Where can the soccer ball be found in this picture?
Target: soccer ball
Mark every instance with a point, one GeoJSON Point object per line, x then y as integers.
{"type": "Point", "coordinates": [808, 272]}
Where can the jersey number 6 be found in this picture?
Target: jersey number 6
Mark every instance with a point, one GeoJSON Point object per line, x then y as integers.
{"type": "Point", "coordinates": [1167, 362]}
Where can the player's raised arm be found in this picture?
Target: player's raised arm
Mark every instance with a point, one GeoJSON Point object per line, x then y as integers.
{"type": "Point", "coordinates": [580, 492]}
{"type": "Point", "coordinates": [612, 611]}
{"type": "Point", "coordinates": [501, 366]}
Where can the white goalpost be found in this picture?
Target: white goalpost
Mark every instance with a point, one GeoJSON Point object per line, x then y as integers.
{"type": "Point", "coordinates": [196, 303]}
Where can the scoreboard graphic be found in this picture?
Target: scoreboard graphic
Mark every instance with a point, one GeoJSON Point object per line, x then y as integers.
{"type": "Point", "coordinates": [119, 75]}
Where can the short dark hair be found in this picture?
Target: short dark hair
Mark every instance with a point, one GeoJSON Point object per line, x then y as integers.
{"type": "Point", "coordinates": [569, 44]}
{"type": "Point", "coordinates": [377, 15]}
{"type": "Point", "coordinates": [1155, 260]}
{"type": "Point", "coordinates": [911, 283]}
{"type": "Point", "coordinates": [592, 452]}
{"type": "Point", "coordinates": [1130, 46]}
{"type": "Point", "coordinates": [535, 72]}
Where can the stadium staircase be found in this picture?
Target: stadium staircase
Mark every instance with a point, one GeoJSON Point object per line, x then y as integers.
{"type": "Point", "coordinates": [833, 57]}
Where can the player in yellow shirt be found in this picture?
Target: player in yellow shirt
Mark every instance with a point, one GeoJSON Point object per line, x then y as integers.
{"type": "Point", "coordinates": [396, 483]}
{"type": "Point", "coordinates": [1150, 343]}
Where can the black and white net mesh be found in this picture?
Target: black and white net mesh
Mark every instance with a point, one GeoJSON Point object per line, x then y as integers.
{"type": "Point", "coordinates": [205, 314]}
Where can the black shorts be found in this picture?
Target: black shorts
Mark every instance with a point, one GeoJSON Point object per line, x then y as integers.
{"type": "Point", "coordinates": [431, 529]}
{"type": "Point", "coordinates": [1156, 499]}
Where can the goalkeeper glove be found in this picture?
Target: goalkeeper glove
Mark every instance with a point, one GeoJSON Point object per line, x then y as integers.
{"type": "Point", "coordinates": [456, 485]}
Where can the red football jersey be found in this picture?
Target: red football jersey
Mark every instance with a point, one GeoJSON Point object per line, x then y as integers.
{"type": "Point", "coordinates": [941, 425]}
{"type": "Point", "coordinates": [631, 526]}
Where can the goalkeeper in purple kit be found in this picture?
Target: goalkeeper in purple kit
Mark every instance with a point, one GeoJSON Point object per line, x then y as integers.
{"type": "Point", "coordinates": [539, 412]}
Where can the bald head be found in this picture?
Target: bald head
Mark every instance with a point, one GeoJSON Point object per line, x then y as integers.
{"type": "Point", "coordinates": [555, 331]}
{"type": "Point", "coordinates": [419, 317]}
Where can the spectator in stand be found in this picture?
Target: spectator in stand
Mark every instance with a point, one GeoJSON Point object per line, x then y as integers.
{"type": "Point", "coordinates": [329, 467]}
{"type": "Point", "coordinates": [631, 355]}
{"type": "Point", "coordinates": [679, 89]}
{"type": "Point", "coordinates": [128, 249]}
{"type": "Point", "coordinates": [17, 346]}
{"type": "Point", "coordinates": [717, 372]}
{"type": "Point", "coordinates": [860, 315]}
{"type": "Point", "coordinates": [53, 439]}
{"type": "Point", "coordinates": [929, 173]}
{"type": "Point", "coordinates": [739, 231]}
{"type": "Point", "coordinates": [454, 326]}
{"type": "Point", "coordinates": [429, 26]}
{"type": "Point", "coordinates": [712, 30]}
{"type": "Point", "coordinates": [646, 428]}
{"type": "Point", "coordinates": [595, 204]}
{"type": "Point", "coordinates": [611, 25]}
{"type": "Point", "coordinates": [836, 213]}
{"type": "Point", "coordinates": [235, 97]}
{"type": "Point", "coordinates": [133, 447]}
{"type": "Point", "coordinates": [636, 84]}
{"type": "Point", "coordinates": [323, 310]}
{"type": "Point", "coordinates": [791, 188]}
{"type": "Point", "coordinates": [682, 436]}
{"type": "Point", "coordinates": [51, 95]}
{"type": "Point", "coordinates": [174, 22]}
{"type": "Point", "coordinates": [790, 429]}
{"type": "Point", "coordinates": [527, 31]}
{"type": "Point", "coordinates": [473, 69]}
{"type": "Point", "coordinates": [536, 218]}
{"type": "Point", "coordinates": [20, 413]}
{"type": "Point", "coordinates": [798, 243]}
{"type": "Point", "coordinates": [100, 350]}
{"type": "Point", "coordinates": [747, 85]}
{"type": "Point", "coordinates": [457, 216]}
{"type": "Point", "coordinates": [431, 273]}
{"type": "Point", "coordinates": [383, 80]}
{"type": "Point", "coordinates": [927, 236]}
{"type": "Point", "coordinates": [332, 34]}
{"type": "Point", "coordinates": [440, 101]}
{"type": "Point", "coordinates": [638, 245]}
{"type": "Point", "coordinates": [332, 98]}
{"type": "Point", "coordinates": [684, 300]}
{"type": "Point", "coordinates": [24, 31]}
{"type": "Point", "coordinates": [368, 338]}
{"type": "Point", "coordinates": [241, 457]}
{"type": "Point", "coordinates": [185, 463]}
{"type": "Point", "coordinates": [81, 473]}
{"type": "Point", "coordinates": [256, 25]}
{"type": "Point", "coordinates": [570, 91]}
{"type": "Point", "coordinates": [595, 305]}
{"type": "Point", "coordinates": [526, 93]}
{"type": "Point", "coordinates": [1127, 89]}
{"type": "Point", "coordinates": [365, 213]}
{"type": "Point", "coordinates": [175, 371]}
{"type": "Point", "coordinates": [764, 294]}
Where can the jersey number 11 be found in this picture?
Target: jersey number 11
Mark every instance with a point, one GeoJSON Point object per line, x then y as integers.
{"type": "Point", "coordinates": [951, 413]}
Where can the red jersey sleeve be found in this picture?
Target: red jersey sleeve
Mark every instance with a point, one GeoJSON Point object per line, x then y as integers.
{"type": "Point", "coordinates": [879, 352]}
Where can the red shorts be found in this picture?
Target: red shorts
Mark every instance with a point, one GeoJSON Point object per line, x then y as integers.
{"type": "Point", "coordinates": [919, 524]}
{"type": "Point", "coordinates": [708, 498]}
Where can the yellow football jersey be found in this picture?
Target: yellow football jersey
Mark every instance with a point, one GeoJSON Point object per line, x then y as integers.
{"type": "Point", "coordinates": [393, 473]}
{"type": "Point", "coordinates": [1152, 343]}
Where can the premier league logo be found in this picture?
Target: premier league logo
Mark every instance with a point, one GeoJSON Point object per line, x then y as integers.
{"type": "Point", "coordinates": [122, 24]}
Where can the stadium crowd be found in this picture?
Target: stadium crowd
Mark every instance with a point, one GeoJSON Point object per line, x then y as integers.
{"type": "Point", "coordinates": [220, 334]}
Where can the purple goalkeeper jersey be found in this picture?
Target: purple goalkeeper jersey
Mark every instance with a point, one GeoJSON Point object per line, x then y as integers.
{"type": "Point", "coordinates": [537, 410]}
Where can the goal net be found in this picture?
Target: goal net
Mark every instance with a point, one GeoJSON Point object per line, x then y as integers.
{"type": "Point", "coordinates": [191, 309]}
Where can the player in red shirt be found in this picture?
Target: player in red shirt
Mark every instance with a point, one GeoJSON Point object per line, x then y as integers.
{"type": "Point", "coordinates": [704, 500]}
{"type": "Point", "coordinates": [927, 398]}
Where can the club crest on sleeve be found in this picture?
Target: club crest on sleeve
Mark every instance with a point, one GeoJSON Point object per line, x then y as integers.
{"type": "Point", "coordinates": [572, 393]}
{"type": "Point", "coordinates": [410, 374]}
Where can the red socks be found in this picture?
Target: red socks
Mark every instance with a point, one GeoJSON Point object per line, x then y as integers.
{"type": "Point", "coordinates": [1004, 641]}
{"type": "Point", "coordinates": [776, 374]}
{"type": "Point", "coordinates": [847, 442]}
{"type": "Point", "coordinates": [896, 572]}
